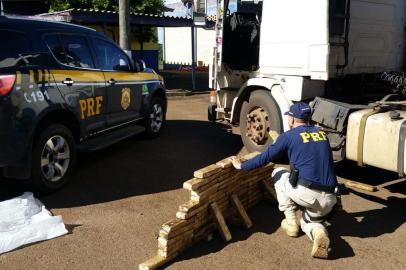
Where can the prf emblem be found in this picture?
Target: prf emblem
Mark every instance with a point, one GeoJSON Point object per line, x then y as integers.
{"type": "Point", "coordinates": [125, 98]}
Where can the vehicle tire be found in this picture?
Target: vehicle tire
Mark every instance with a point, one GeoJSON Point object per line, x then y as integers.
{"type": "Point", "coordinates": [156, 117]}
{"type": "Point", "coordinates": [53, 159]}
{"type": "Point", "coordinates": [258, 117]}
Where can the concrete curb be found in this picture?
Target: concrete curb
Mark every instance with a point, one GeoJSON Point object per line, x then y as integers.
{"type": "Point", "coordinates": [180, 93]}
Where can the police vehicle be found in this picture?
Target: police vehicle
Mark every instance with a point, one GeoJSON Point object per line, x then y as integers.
{"type": "Point", "coordinates": [65, 88]}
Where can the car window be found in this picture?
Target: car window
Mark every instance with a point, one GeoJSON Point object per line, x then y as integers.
{"type": "Point", "coordinates": [109, 57]}
{"type": "Point", "coordinates": [55, 45]}
{"type": "Point", "coordinates": [77, 51]}
{"type": "Point", "coordinates": [14, 50]}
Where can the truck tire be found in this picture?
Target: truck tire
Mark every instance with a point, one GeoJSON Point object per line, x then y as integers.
{"type": "Point", "coordinates": [258, 117]}
{"type": "Point", "coordinates": [53, 159]}
{"type": "Point", "coordinates": [156, 117]}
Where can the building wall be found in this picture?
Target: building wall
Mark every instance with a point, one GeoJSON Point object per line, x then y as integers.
{"type": "Point", "coordinates": [150, 51]}
{"type": "Point", "coordinates": [113, 33]}
{"type": "Point", "coordinates": [178, 45]}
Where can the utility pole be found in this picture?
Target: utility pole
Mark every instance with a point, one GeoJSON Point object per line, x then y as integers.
{"type": "Point", "coordinates": [194, 45]}
{"type": "Point", "coordinates": [124, 25]}
{"type": "Point", "coordinates": [190, 6]}
{"type": "Point", "coordinates": [1, 8]}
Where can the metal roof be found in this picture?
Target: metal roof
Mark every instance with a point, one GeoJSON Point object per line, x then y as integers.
{"type": "Point", "coordinates": [97, 16]}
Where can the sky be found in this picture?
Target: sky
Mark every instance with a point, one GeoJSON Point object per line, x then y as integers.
{"type": "Point", "coordinates": [180, 10]}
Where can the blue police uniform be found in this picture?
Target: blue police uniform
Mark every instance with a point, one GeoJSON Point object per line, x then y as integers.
{"type": "Point", "coordinates": [308, 150]}
{"type": "Point", "coordinates": [309, 153]}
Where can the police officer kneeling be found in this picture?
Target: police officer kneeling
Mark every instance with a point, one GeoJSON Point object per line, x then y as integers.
{"type": "Point", "coordinates": [311, 183]}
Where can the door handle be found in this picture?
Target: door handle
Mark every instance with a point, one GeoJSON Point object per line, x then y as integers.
{"type": "Point", "coordinates": [112, 81]}
{"type": "Point", "coordinates": [68, 82]}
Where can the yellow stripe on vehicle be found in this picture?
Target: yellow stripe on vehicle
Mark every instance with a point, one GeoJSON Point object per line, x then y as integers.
{"type": "Point", "coordinates": [97, 76]}
{"type": "Point", "coordinates": [40, 76]}
{"type": "Point", "coordinates": [31, 75]}
{"type": "Point", "coordinates": [18, 79]}
{"type": "Point", "coordinates": [47, 77]}
{"type": "Point", "coordinates": [78, 75]}
{"type": "Point", "coordinates": [131, 76]}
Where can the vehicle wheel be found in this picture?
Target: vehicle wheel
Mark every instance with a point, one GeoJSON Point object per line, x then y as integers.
{"type": "Point", "coordinates": [53, 159]}
{"type": "Point", "coordinates": [156, 117]}
{"type": "Point", "coordinates": [258, 117]}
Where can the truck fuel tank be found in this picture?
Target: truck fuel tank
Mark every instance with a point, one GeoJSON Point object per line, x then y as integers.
{"type": "Point", "coordinates": [381, 143]}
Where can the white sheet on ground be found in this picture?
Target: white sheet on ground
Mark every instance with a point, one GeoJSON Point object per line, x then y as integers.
{"type": "Point", "coordinates": [25, 220]}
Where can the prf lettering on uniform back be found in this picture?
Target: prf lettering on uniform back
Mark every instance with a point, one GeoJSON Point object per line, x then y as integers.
{"type": "Point", "coordinates": [313, 136]}
{"type": "Point", "coordinates": [90, 106]}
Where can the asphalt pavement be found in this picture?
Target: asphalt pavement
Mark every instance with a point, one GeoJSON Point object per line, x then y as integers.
{"type": "Point", "coordinates": [119, 197]}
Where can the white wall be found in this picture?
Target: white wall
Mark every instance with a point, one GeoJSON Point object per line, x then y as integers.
{"type": "Point", "coordinates": [178, 45]}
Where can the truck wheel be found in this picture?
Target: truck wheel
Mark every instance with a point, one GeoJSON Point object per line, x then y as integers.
{"type": "Point", "coordinates": [258, 117]}
{"type": "Point", "coordinates": [53, 159]}
{"type": "Point", "coordinates": [156, 117]}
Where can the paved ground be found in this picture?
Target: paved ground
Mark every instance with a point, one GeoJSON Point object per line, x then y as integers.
{"type": "Point", "coordinates": [120, 196]}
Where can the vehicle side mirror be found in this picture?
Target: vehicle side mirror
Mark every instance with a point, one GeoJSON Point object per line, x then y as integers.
{"type": "Point", "coordinates": [140, 65]}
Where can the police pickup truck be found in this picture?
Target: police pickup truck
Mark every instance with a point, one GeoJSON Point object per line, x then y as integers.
{"type": "Point", "coordinates": [65, 88]}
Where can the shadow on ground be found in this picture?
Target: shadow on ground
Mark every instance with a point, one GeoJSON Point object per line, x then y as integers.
{"type": "Point", "coordinates": [370, 223]}
{"type": "Point", "coordinates": [368, 175]}
{"type": "Point", "coordinates": [385, 219]}
{"type": "Point", "coordinates": [267, 225]}
{"type": "Point", "coordinates": [139, 166]}
{"type": "Point", "coordinates": [363, 224]}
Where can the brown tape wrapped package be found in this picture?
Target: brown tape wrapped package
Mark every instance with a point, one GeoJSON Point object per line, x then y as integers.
{"type": "Point", "coordinates": [217, 193]}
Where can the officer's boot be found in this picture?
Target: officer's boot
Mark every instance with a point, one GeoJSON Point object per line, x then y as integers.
{"type": "Point", "coordinates": [290, 226]}
{"type": "Point", "coordinates": [321, 243]}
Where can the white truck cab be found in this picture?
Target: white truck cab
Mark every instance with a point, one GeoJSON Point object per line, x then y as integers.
{"type": "Point", "coordinates": [271, 53]}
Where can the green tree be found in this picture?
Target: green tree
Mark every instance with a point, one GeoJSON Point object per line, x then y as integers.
{"type": "Point", "coordinates": [142, 33]}
{"type": "Point", "coordinates": [136, 6]}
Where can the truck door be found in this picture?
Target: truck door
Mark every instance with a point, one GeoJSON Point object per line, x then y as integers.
{"type": "Point", "coordinates": [82, 87]}
{"type": "Point", "coordinates": [124, 89]}
{"type": "Point", "coordinates": [295, 38]}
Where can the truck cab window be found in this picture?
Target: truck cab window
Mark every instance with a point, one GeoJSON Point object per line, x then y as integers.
{"type": "Point", "coordinates": [241, 37]}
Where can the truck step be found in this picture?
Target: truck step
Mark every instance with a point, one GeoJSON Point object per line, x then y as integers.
{"type": "Point", "coordinates": [103, 141]}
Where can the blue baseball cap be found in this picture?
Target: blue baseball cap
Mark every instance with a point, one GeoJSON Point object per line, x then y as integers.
{"type": "Point", "coordinates": [300, 110]}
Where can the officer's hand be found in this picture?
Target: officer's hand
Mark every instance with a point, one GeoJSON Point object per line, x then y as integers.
{"type": "Point", "coordinates": [236, 162]}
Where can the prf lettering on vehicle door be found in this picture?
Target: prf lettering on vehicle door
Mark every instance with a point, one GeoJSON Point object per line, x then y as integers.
{"type": "Point", "coordinates": [90, 106]}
